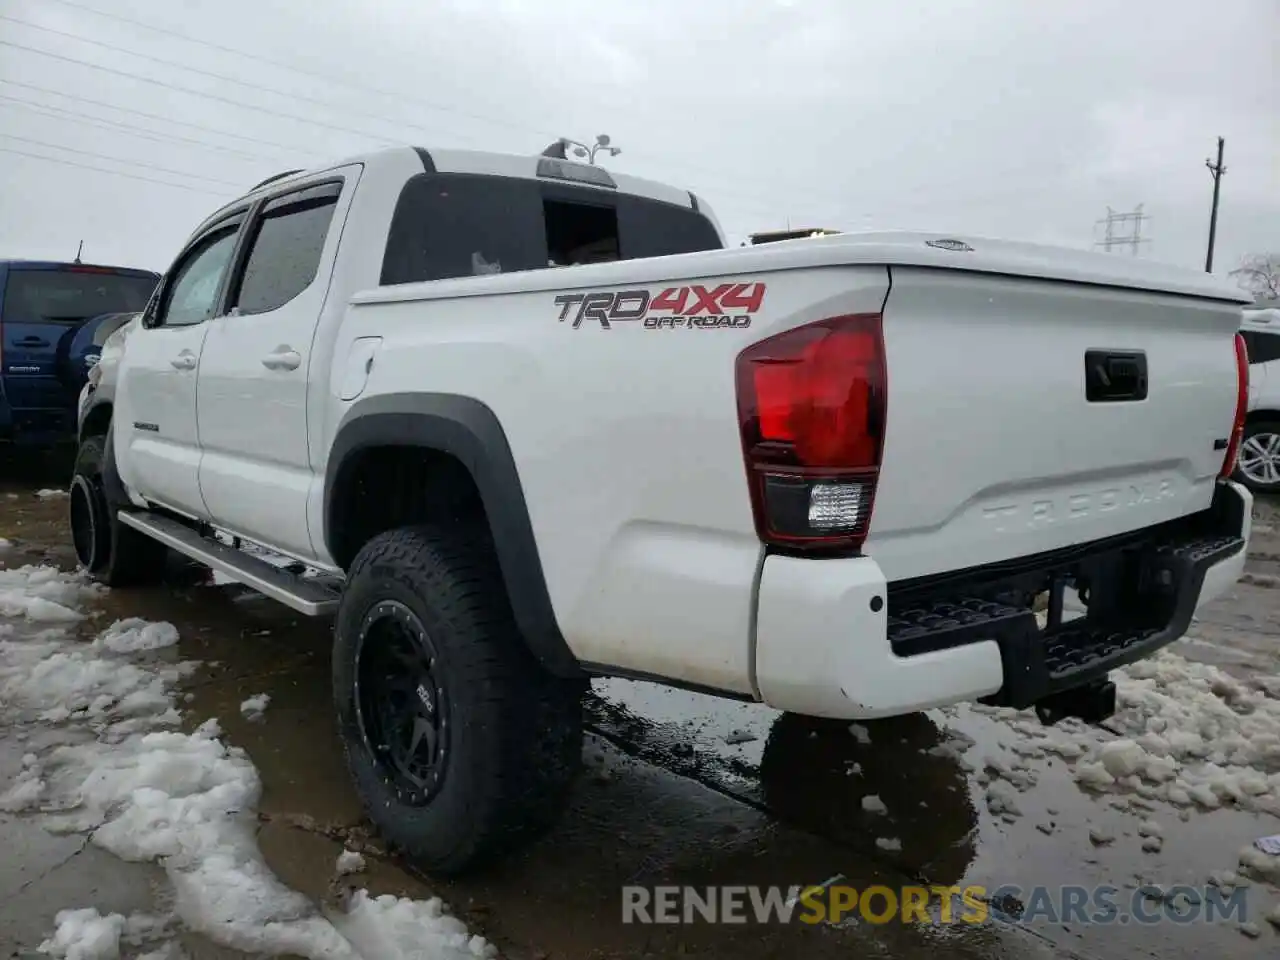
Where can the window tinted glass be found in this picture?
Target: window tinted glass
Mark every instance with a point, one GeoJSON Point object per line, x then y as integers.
{"type": "Point", "coordinates": [462, 226]}
{"type": "Point", "coordinates": [648, 228]}
{"type": "Point", "coordinates": [70, 296]}
{"type": "Point", "coordinates": [194, 293]}
{"type": "Point", "coordinates": [453, 225]}
{"type": "Point", "coordinates": [285, 252]}
{"type": "Point", "coordinates": [1262, 347]}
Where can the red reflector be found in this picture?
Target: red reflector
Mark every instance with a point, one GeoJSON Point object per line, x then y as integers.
{"type": "Point", "coordinates": [1242, 407]}
{"type": "Point", "coordinates": [811, 403]}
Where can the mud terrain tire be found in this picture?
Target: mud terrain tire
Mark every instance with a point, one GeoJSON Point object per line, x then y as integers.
{"type": "Point", "coordinates": [429, 603]}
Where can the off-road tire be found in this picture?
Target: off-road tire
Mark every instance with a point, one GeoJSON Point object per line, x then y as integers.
{"type": "Point", "coordinates": [122, 557]}
{"type": "Point", "coordinates": [515, 736]}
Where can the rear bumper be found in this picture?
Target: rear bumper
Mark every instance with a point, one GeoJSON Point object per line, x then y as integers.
{"type": "Point", "coordinates": [834, 639]}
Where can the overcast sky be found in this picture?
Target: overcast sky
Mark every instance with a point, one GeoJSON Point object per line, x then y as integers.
{"type": "Point", "coordinates": [1001, 117]}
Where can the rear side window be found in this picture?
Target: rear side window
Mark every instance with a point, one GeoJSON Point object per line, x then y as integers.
{"type": "Point", "coordinates": [463, 226]}
{"type": "Point", "coordinates": [458, 225]}
{"type": "Point", "coordinates": [71, 296]}
{"type": "Point", "coordinates": [284, 253]}
{"type": "Point", "coordinates": [1262, 347]}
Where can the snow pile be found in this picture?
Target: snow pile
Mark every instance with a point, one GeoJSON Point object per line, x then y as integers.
{"type": "Point", "coordinates": [42, 594]}
{"type": "Point", "coordinates": [255, 706]}
{"type": "Point", "coordinates": [1189, 734]}
{"type": "Point", "coordinates": [349, 861]}
{"type": "Point", "coordinates": [186, 800]}
{"type": "Point", "coordinates": [88, 935]}
{"type": "Point", "coordinates": [85, 935]}
{"type": "Point", "coordinates": [135, 635]}
{"type": "Point", "coordinates": [50, 494]}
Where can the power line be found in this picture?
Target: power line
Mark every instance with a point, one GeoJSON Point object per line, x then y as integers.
{"type": "Point", "coordinates": [328, 78]}
{"type": "Point", "coordinates": [286, 148]}
{"type": "Point", "coordinates": [59, 113]}
{"type": "Point", "coordinates": [214, 75]}
{"type": "Point", "coordinates": [136, 163]}
{"type": "Point", "coordinates": [118, 173]}
{"type": "Point", "coordinates": [197, 93]}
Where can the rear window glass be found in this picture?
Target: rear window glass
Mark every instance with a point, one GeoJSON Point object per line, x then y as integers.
{"type": "Point", "coordinates": [69, 296]}
{"type": "Point", "coordinates": [457, 225]}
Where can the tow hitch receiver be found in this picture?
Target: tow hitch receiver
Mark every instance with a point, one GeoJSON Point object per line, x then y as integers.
{"type": "Point", "coordinates": [1092, 703]}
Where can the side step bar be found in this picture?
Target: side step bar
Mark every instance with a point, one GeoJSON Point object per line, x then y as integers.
{"type": "Point", "coordinates": [312, 599]}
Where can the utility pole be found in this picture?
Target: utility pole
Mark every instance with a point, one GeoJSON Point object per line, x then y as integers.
{"type": "Point", "coordinates": [1115, 238]}
{"type": "Point", "coordinates": [1217, 169]}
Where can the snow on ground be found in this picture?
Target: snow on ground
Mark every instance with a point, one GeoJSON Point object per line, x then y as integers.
{"type": "Point", "coordinates": [1185, 734]}
{"type": "Point", "coordinates": [255, 706]}
{"type": "Point", "coordinates": [349, 861]}
{"type": "Point", "coordinates": [1189, 734]}
{"type": "Point", "coordinates": [143, 790]}
{"type": "Point", "coordinates": [50, 494]}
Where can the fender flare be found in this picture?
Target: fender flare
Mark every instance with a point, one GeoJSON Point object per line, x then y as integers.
{"type": "Point", "coordinates": [468, 430]}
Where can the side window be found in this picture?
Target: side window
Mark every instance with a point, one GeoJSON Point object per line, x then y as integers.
{"type": "Point", "coordinates": [1262, 347]}
{"type": "Point", "coordinates": [460, 225]}
{"type": "Point", "coordinates": [285, 249]}
{"type": "Point", "coordinates": [193, 296]}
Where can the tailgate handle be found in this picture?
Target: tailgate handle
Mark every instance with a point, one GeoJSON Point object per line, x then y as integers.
{"type": "Point", "coordinates": [1115, 376]}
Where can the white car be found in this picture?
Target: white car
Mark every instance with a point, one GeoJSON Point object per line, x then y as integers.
{"type": "Point", "coordinates": [836, 475]}
{"type": "Point", "coordinates": [1259, 466]}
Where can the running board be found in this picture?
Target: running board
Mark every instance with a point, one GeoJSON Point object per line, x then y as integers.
{"type": "Point", "coordinates": [312, 599]}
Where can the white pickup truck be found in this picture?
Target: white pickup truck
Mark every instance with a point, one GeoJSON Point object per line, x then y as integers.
{"type": "Point", "coordinates": [533, 423]}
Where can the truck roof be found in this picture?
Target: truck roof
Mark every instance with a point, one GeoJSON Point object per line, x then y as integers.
{"type": "Point", "coordinates": [527, 166]}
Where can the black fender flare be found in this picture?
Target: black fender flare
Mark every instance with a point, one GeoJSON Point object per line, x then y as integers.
{"type": "Point", "coordinates": [468, 430]}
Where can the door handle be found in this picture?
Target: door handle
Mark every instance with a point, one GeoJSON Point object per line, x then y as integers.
{"type": "Point", "coordinates": [186, 360]}
{"type": "Point", "coordinates": [283, 358]}
{"type": "Point", "coordinates": [33, 342]}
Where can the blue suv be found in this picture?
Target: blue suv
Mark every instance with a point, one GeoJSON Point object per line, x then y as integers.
{"type": "Point", "coordinates": [53, 319]}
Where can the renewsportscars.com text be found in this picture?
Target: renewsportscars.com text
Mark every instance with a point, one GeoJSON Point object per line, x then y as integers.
{"type": "Point", "coordinates": [931, 905]}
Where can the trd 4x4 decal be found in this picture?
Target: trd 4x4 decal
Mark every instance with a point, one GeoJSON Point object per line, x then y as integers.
{"type": "Point", "coordinates": [689, 308]}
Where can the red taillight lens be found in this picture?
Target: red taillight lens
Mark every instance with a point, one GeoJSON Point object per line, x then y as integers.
{"type": "Point", "coordinates": [1242, 407]}
{"type": "Point", "coordinates": [811, 403]}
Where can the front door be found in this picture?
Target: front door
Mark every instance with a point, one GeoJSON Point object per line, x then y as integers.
{"type": "Point", "coordinates": [154, 420]}
{"type": "Point", "coordinates": [256, 468]}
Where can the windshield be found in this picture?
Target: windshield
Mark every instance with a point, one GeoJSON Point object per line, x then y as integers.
{"type": "Point", "coordinates": [71, 296]}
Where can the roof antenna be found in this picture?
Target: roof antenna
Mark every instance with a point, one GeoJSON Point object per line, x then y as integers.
{"type": "Point", "coordinates": [79, 250]}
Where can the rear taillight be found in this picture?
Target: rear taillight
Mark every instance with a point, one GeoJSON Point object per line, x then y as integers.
{"type": "Point", "coordinates": [1242, 407]}
{"type": "Point", "coordinates": [811, 403]}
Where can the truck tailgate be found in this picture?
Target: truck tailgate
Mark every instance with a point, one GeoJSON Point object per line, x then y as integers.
{"type": "Point", "coordinates": [1029, 414]}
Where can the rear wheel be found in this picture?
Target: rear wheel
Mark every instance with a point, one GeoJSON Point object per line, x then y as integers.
{"type": "Point", "coordinates": [1259, 464]}
{"type": "Point", "coordinates": [112, 553]}
{"type": "Point", "coordinates": [462, 746]}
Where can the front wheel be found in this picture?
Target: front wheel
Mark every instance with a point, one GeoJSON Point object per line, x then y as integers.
{"type": "Point", "coordinates": [462, 746]}
{"type": "Point", "coordinates": [1258, 467]}
{"type": "Point", "coordinates": [110, 552]}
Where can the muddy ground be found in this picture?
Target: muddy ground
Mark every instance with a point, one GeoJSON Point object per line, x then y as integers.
{"type": "Point", "coordinates": [666, 799]}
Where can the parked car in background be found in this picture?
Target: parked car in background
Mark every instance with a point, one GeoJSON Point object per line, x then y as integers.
{"type": "Point", "coordinates": [50, 317]}
{"type": "Point", "coordinates": [1259, 464]}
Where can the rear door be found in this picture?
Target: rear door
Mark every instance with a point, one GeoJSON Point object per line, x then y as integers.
{"type": "Point", "coordinates": [43, 305]}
